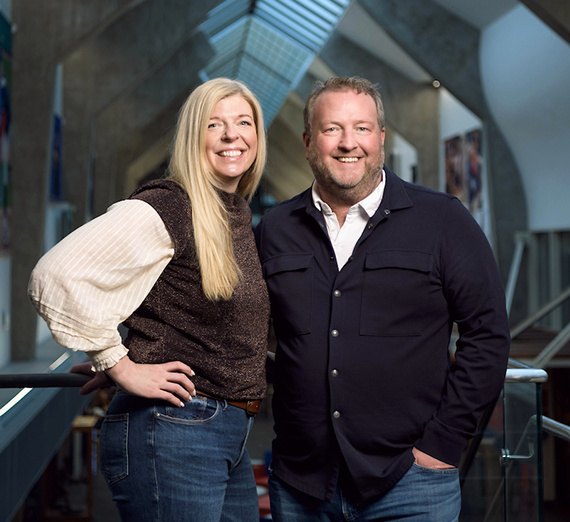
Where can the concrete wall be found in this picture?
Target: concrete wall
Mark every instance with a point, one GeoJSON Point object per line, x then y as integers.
{"type": "Point", "coordinates": [526, 76]}
{"type": "Point", "coordinates": [123, 62]}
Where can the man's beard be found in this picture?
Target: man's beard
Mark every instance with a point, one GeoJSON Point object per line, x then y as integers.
{"type": "Point", "coordinates": [347, 193]}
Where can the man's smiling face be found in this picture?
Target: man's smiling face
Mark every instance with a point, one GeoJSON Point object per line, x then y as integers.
{"type": "Point", "coordinates": [346, 145]}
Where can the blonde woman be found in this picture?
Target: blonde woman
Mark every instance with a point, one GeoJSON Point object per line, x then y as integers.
{"type": "Point", "coordinates": [177, 264]}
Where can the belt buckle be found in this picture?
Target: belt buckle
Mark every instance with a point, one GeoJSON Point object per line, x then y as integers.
{"type": "Point", "coordinates": [247, 409]}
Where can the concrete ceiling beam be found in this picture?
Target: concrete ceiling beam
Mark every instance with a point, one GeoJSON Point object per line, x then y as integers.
{"type": "Point", "coordinates": [443, 44]}
{"type": "Point", "coordinates": [554, 13]}
{"type": "Point", "coordinates": [114, 63]}
{"type": "Point", "coordinates": [135, 108]}
{"type": "Point", "coordinates": [149, 147]}
{"type": "Point", "coordinates": [448, 48]}
{"type": "Point", "coordinates": [288, 172]}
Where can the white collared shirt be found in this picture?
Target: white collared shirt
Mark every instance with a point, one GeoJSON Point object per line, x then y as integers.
{"type": "Point", "coordinates": [344, 238]}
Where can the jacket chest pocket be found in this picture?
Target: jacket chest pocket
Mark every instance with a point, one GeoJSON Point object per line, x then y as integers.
{"type": "Point", "coordinates": [289, 278]}
{"type": "Point", "coordinates": [395, 294]}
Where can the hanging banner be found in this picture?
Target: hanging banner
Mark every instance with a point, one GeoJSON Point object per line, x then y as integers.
{"type": "Point", "coordinates": [5, 120]}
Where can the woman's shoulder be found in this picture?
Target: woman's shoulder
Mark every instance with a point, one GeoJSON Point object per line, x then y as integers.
{"type": "Point", "coordinates": [172, 204]}
{"type": "Point", "coordinates": [160, 189]}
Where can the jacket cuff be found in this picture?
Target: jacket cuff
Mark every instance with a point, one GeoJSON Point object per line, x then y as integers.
{"type": "Point", "coordinates": [104, 359]}
{"type": "Point", "coordinates": [441, 443]}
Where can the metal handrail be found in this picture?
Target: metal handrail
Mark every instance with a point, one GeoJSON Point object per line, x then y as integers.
{"type": "Point", "coordinates": [550, 426]}
{"type": "Point", "coordinates": [72, 380]}
{"type": "Point", "coordinates": [43, 380]}
{"type": "Point", "coordinates": [537, 316]}
{"type": "Point", "coordinates": [525, 375]}
{"type": "Point", "coordinates": [520, 244]}
{"type": "Point", "coordinates": [552, 348]}
{"type": "Point", "coordinates": [556, 428]}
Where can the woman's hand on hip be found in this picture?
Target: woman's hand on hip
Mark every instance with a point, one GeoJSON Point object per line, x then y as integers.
{"type": "Point", "coordinates": [168, 381]}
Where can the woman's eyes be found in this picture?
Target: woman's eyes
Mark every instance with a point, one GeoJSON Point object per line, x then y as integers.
{"type": "Point", "coordinates": [243, 123]}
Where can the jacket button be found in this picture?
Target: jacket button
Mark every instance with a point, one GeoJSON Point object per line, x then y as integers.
{"type": "Point", "coordinates": [334, 373]}
{"type": "Point", "coordinates": [335, 333]}
{"type": "Point", "coordinates": [336, 293]}
{"type": "Point", "coordinates": [336, 414]}
{"type": "Point", "coordinates": [387, 212]}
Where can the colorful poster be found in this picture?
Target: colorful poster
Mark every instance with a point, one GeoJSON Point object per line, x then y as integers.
{"type": "Point", "coordinates": [56, 176]}
{"type": "Point", "coordinates": [464, 169]}
{"type": "Point", "coordinates": [474, 170]}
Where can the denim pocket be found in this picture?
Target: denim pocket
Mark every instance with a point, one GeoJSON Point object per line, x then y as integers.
{"type": "Point", "coordinates": [446, 471]}
{"type": "Point", "coordinates": [113, 446]}
{"type": "Point", "coordinates": [197, 411]}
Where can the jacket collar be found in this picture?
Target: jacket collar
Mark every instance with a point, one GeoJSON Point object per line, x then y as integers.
{"type": "Point", "coordinates": [395, 197]}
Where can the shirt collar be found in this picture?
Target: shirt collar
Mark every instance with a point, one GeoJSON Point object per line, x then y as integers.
{"type": "Point", "coordinates": [369, 204]}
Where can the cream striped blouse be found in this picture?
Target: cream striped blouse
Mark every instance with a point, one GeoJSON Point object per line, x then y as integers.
{"type": "Point", "coordinates": [98, 275]}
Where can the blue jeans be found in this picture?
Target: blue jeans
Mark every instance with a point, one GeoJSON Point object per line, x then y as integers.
{"type": "Point", "coordinates": [168, 464]}
{"type": "Point", "coordinates": [421, 495]}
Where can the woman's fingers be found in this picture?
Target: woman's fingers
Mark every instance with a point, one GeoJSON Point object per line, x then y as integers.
{"type": "Point", "coordinates": [83, 368]}
{"type": "Point", "coordinates": [99, 381]}
{"type": "Point", "coordinates": [182, 380]}
{"type": "Point", "coordinates": [180, 391]}
{"type": "Point", "coordinates": [168, 381]}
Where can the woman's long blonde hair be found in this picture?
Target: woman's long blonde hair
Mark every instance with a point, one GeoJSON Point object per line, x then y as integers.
{"type": "Point", "coordinates": [189, 167]}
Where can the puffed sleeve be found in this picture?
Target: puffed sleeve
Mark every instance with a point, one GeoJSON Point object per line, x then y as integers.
{"type": "Point", "coordinates": [98, 275]}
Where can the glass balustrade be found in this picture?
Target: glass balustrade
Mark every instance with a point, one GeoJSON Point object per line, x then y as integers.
{"type": "Point", "coordinates": [502, 476]}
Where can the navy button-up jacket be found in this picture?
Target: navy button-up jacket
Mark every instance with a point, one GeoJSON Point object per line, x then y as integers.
{"type": "Point", "coordinates": [362, 366]}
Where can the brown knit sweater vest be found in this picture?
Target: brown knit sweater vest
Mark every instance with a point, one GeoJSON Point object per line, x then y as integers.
{"type": "Point", "coordinates": [224, 342]}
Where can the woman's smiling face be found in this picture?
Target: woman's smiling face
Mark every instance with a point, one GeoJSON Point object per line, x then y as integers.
{"type": "Point", "coordinates": [231, 140]}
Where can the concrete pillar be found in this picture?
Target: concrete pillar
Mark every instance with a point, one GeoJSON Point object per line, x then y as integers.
{"type": "Point", "coordinates": [448, 48]}
{"type": "Point", "coordinates": [114, 63]}
{"type": "Point", "coordinates": [288, 172]}
{"type": "Point", "coordinates": [45, 30]}
{"type": "Point", "coordinates": [149, 147]}
{"type": "Point", "coordinates": [139, 105]}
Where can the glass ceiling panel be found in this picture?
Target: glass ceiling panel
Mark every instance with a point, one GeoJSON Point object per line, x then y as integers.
{"type": "Point", "coordinates": [269, 44]}
{"type": "Point", "coordinates": [225, 14]}
{"type": "Point", "coordinates": [334, 6]}
{"type": "Point", "coordinates": [315, 8]}
{"type": "Point", "coordinates": [297, 23]}
{"type": "Point", "coordinates": [284, 55]}
{"type": "Point", "coordinates": [288, 27]}
{"type": "Point", "coordinates": [228, 44]}
{"type": "Point", "coordinates": [305, 15]}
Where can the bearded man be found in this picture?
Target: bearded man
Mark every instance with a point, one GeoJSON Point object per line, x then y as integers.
{"type": "Point", "coordinates": [366, 275]}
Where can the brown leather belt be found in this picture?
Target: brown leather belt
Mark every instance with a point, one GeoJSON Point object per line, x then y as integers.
{"type": "Point", "coordinates": [250, 407]}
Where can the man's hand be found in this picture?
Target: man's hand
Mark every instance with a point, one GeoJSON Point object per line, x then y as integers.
{"type": "Point", "coordinates": [427, 461]}
{"type": "Point", "coordinates": [168, 381]}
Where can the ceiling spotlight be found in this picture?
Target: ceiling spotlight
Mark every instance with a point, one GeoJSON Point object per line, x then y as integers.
{"type": "Point", "coordinates": [436, 84]}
